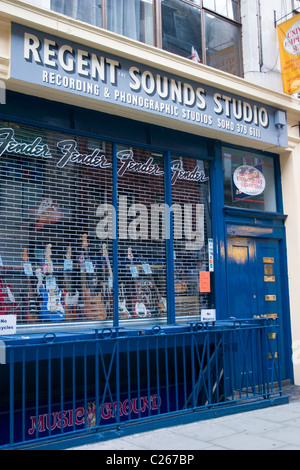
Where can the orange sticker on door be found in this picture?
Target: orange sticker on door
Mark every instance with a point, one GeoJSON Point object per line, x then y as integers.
{"type": "Point", "coordinates": [204, 281]}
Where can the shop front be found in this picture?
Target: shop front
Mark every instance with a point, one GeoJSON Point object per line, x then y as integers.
{"type": "Point", "coordinates": [142, 248]}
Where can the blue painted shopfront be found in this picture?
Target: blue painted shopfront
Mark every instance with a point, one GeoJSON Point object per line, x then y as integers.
{"type": "Point", "coordinates": [119, 373]}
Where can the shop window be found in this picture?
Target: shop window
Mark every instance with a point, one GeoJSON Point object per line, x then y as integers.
{"type": "Point", "coordinates": [59, 228]}
{"type": "Point", "coordinates": [222, 41]}
{"type": "Point", "coordinates": [193, 239]}
{"type": "Point", "coordinates": [141, 234]}
{"type": "Point", "coordinates": [249, 180]}
{"type": "Point", "coordinates": [52, 190]}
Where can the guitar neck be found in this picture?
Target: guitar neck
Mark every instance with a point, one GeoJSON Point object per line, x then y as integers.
{"type": "Point", "coordinates": [83, 271]}
{"type": "Point", "coordinates": [109, 266]}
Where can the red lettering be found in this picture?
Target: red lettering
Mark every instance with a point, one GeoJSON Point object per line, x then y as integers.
{"type": "Point", "coordinates": [134, 405]}
{"type": "Point", "coordinates": [62, 422]}
{"type": "Point", "coordinates": [71, 417]}
{"type": "Point", "coordinates": [155, 402]}
{"type": "Point", "coordinates": [106, 411]}
{"type": "Point", "coordinates": [79, 416]}
{"type": "Point", "coordinates": [144, 404]}
{"type": "Point", "coordinates": [125, 407]}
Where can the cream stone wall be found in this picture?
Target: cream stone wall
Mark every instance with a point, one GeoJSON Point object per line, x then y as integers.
{"type": "Point", "coordinates": [290, 173]}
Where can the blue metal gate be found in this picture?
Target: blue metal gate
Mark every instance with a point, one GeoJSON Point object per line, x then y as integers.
{"type": "Point", "coordinates": [107, 379]}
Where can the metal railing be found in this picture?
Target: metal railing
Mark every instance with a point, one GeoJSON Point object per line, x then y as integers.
{"type": "Point", "coordinates": [65, 386]}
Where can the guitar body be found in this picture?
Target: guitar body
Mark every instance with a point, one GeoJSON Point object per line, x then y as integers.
{"type": "Point", "coordinates": [180, 287]}
{"type": "Point", "coordinates": [140, 310]}
{"type": "Point", "coordinates": [70, 303]}
{"type": "Point", "coordinates": [52, 307]}
{"type": "Point", "coordinates": [123, 310]}
{"type": "Point", "coordinates": [93, 307]}
{"type": "Point", "coordinates": [161, 303]}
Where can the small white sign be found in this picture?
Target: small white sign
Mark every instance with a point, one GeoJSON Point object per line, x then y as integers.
{"type": "Point", "coordinates": [89, 267]}
{"type": "Point", "coordinates": [28, 269]}
{"type": "Point", "coordinates": [68, 265]}
{"type": "Point", "coordinates": [8, 325]}
{"type": "Point", "coordinates": [208, 315]}
{"type": "Point", "coordinates": [147, 268]}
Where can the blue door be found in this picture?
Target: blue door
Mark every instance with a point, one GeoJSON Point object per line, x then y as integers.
{"type": "Point", "coordinates": [254, 281]}
{"type": "Point", "coordinates": [241, 278]}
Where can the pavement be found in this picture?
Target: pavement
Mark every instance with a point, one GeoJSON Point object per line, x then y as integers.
{"type": "Point", "coordinates": [272, 428]}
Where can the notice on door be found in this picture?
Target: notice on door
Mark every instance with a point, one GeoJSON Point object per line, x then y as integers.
{"type": "Point", "coordinates": [204, 282]}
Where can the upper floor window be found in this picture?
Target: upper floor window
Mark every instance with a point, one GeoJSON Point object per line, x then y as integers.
{"type": "Point", "coordinates": [194, 32]}
{"type": "Point", "coordinates": [206, 31]}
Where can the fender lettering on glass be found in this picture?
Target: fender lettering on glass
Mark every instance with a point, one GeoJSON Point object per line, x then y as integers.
{"type": "Point", "coordinates": [8, 144]}
{"type": "Point", "coordinates": [71, 154]}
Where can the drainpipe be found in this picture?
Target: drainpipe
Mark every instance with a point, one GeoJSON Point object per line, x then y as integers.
{"type": "Point", "coordinates": [259, 35]}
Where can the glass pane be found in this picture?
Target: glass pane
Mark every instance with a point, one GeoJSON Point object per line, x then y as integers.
{"type": "Point", "coordinates": [234, 7]}
{"type": "Point", "coordinates": [222, 40]}
{"type": "Point", "coordinates": [132, 18]}
{"type": "Point", "coordinates": [248, 180]}
{"type": "Point", "coordinates": [192, 229]}
{"type": "Point", "coordinates": [228, 8]}
{"type": "Point", "coordinates": [210, 4]}
{"type": "Point", "coordinates": [181, 29]}
{"type": "Point", "coordinates": [89, 11]}
{"type": "Point", "coordinates": [53, 192]}
{"type": "Point", "coordinates": [141, 234]}
{"type": "Point", "coordinates": [221, 7]}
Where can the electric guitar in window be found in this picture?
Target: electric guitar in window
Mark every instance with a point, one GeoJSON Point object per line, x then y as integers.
{"type": "Point", "coordinates": [161, 301]}
{"type": "Point", "coordinates": [70, 300]}
{"type": "Point", "coordinates": [32, 313]}
{"type": "Point", "coordinates": [8, 304]}
{"type": "Point", "coordinates": [52, 307]}
{"type": "Point", "coordinates": [108, 286]}
{"type": "Point", "coordinates": [139, 308]}
{"type": "Point", "coordinates": [123, 310]}
{"type": "Point", "coordinates": [93, 307]}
